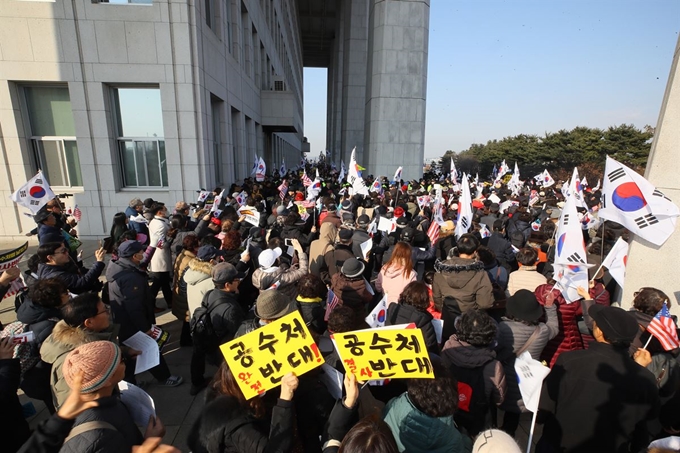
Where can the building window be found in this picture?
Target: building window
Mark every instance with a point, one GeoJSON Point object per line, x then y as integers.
{"type": "Point", "coordinates": [227, 12]}
{"type": "Point", "coordinates": [53, 135]}
{"type": "Point", "coordinates": [216, 107]}
{"type": "Point", "coordinates": [125, 2]}
{"type": "Point", "coordinates": [139, 125]}
{"type": "Point", "coordinates": [209, 14]}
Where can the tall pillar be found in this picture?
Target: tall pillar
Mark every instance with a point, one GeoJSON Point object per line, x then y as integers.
{"type": "Point", "coordinates": [396, 86]}
{"type": "Point", "coordinates": [650, 265]}
{"type": "Point", "coordinates": [335, 135]}
{"type": "Point", "coordinates": [355, 49]}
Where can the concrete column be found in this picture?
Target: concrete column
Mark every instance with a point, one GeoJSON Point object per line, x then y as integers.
{"type": "Point", "coordinates": [396, 87]}
{"type": "Point", "coordinates": [354, 77]}
{"type": "Point", "coordinates": [337, 63]}
{"type": "Point", "coordinates": [649, 265]}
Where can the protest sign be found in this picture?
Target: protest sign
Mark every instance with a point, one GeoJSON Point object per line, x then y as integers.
{"type": "Point", "coordinates": [252, 215]}
{"type": "Point", "coordinates": [11, 259]}
{"type": "Point", "coordinates": [384, 353]}
{"type": "Point", "coordinates": [387, 225]}
{"type": "Point", "coordinates": [260, 359]}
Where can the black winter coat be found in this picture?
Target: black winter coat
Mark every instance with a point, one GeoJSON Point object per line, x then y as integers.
{"type": "Point", "coordinates": [14, 429]}
{"type": "Point", "coordinates": [226, 313]}
{"type": "Point", "coordinates": [224, 426]}
{"type": "Point", "coordinates": [74, 281]}
{"type": "Point", "coordinates": [129, 298]}
{"type": "Point", "coordinates": [599, 399]}
{"type": "Point", "coordinates": [406, 314]}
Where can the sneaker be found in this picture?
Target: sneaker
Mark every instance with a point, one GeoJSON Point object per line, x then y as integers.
{"type": "Point", "coordinates": [173, 381]}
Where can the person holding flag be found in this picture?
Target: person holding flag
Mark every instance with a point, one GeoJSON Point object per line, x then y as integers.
{"type": "Point", "coordinates": [599, 399]}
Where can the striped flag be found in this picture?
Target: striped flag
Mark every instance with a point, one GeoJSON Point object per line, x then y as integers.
{"type": "Point", "coordinates": [77, 214]}
{"type": "Point", "coordinates": [663, 328]}
{"type": "Point", "coordinates": [283, 189]}
{"type": "Point", "coordinates": [306, 180]}
{"type": "Point", "coordinates": [15, 287]}
{"type": "Point", "coordinates": [433, 232]}
{"type": "Point", "coordinates": [331, 302]}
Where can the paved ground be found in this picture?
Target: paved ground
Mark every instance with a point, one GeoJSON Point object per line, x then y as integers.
{"type": "Point", "coordinates": [176, 408]}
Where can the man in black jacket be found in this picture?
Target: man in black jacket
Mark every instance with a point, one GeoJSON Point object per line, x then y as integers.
{"type": "Point", "coordinates": [55, 262]}
{"type": "Point", "coordinates": [600, 399]}
{"type": "Point", "coordinates": [226, 315]}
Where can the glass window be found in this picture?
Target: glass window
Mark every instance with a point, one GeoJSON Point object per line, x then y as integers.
{"type": "Point", "coordinates": [53, 135]}
{"type": "Point", "coordinates": [125, 2]}
{"type": "Point", "coordinates": [139, 122]}
{"type": "Point", "coordinates": [216, 136]}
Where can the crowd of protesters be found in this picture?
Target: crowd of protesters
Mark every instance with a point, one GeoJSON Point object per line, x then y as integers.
{"type": "Point", "coordinates": [492, 286]}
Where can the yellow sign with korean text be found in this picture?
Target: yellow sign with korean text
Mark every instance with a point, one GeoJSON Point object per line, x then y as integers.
{"type": "Point", "coordinates": [384, 353]}
{"type": "Point", "coordinates": [259, 359]}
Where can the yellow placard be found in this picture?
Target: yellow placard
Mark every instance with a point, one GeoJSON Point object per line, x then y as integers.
{"type": "Point", "coordinates": [384, 353]}
{"type": "Point", "coordinates": [259, 359]}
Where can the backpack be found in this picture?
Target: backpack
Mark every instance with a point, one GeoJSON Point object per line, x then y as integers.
{"type": "Point", "coordinates": [202, 331]}
{"type": "Point", "coordinates": [473, 412]}
{"type": "Point", "coordinates": [27, 353]}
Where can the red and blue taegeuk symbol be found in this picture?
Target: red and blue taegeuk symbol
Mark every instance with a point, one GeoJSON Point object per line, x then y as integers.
{"type": "Point", "coordinates": [628, 197]}
{"type": "Point", "coordinates": [574, 267]}
{"type": "Point", "coordinates": [381, 315]}
{"type": "Point", "coordinates": [560, 243]}
{"type": "Point", "coordinates": [37, 191]}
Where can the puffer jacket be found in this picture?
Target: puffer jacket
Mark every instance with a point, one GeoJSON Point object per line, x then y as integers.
{"type": "Point", "coordinates": [110, 410]}
{"type": "Point", "coordinates": [63, 340]}
{"type": "Point", "coordinates": [526, 277]}
{"type": "Point", "coordinates": [180, 306]}
{"type": "Point", "coordinates": [286, 276]}
{"type": "Point", "coordinates": [351, 291]}
{"type": "Point", "coordinates": [460, 285]}
{"type": "Point", "coordinates": [392, 282]}
{"type": "Point", "coordinates": [512, 336]}
{"type": "Point", "coordinates": [569, 337]}
{"type": "Point", "coordinates": [417, 432]}
{"type": "Point", "coordinates": [162, 258]}
{"type": "Point", "coordinates": [226, 313]}
{"type": "Point", "coordinates": [312, 313]}
{"type": "Point", "coordinates": [129, 297]}
{"type": "Point", "coordinates": [40, 320]}
{"type": "Point", "coordinates": [319, 248]}
{"type": "Point", "coordinates": [406, 314]}
{"type": "Point", "coordinates": [198, 280]}
{"type": "Point", "coordinates": [225, 427]}
{"type": "Point", "coordinates": [464, 355]}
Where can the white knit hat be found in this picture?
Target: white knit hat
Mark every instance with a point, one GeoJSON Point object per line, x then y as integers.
{"type": "Point", "coordinates": [495, 441]}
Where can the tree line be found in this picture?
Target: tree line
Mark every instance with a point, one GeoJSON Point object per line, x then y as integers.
{"type": "Point", "coordinates": [559, 152]}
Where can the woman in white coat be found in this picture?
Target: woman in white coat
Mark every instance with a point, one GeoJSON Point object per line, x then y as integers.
{"type": "Point", "coordinates": [160, 266]}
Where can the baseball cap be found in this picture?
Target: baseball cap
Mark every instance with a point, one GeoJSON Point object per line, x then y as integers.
{"type": "Point", "coordinates": [363, 220]}
{"type": "Point", "coordinates": [129, 248]}
{"type": "Point", "coordinates": [225, 273]}
{"type": "Point", "coordinates": [268, 257]}
{"type": "Point", "coordinates": [208, 252]}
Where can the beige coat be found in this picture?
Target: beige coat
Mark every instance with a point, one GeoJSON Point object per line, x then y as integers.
{"type": "Point", "coordinates": [319, 247]}
{"type": "Point", "coordinates": [525, 278]}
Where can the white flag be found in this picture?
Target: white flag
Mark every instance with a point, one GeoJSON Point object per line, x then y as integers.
{"type": "Point", "coordinates": [342, 172]}
{"type": "Point", "coordinates": [354, 178]}
{"type": "Point", "coordinates": [378, 316]}
{"type": "Point", "coordinates": [35, 194]}
{"type": "Point", "coordinates": [254, 169]}
{"type": "Point", "coordinates": [261, 170]}
{"type": "Point", "coordinates": [597, 187]}
{"type": "Point", "coordinates": [530, 376]}
{"type": "Point", "coordinates": [465, 214]}
{"type": "Point", "coordinates": [282, 170]}
{"type": "Point", "coordinates": [571, 264]}
{"type": "Point", "coordinates": [632, 201]}
{"type": "Point", "coordinates": [397, 176]}
{"type": "Point", "coordinates": [616, 261]}
{"type": "Point", "coordinates": [576, 190]}
{"type": "Point", "coordinates": [453, 175]}
{"type": "Point", "coordinates": [546, 179]}
{"type": "Point", "coordinates": [584, 182]}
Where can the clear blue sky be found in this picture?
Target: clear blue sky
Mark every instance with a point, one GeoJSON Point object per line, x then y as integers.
{"type": "Point", "coordinates": [502, 68]}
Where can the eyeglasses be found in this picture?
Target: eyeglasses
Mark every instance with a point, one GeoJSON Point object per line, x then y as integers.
{"type": "Point", "coordinates": [107, 309]}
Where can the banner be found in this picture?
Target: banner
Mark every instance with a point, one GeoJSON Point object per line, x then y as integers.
{"type": "Point", "coordinates": [12, 258]}
{"type": "Point", "coordinates": [259, 359]}
{"type": "Point", "coordinates": [384, 353]}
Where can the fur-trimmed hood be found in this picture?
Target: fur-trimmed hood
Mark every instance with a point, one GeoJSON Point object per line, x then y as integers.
{"type": "Point", "coordinates": [458, 271]}
{"type": "Point", "coordinates": [197, 272]}
{"type": "Point", "coordinates": [65, 338]}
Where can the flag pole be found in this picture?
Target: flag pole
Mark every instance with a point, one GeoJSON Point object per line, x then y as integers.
{"type": "Point", "coordinates": [648, 341]}
{"type": "Point", "coordinates": [531, 431]}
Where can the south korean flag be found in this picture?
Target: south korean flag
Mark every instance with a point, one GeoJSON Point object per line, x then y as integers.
{"type": "Point", "coordinates": [571, 266]}
{"type": "Point", "coordinates": [35, 194]}
{"type": "Point", "coordinates": [632, 201]}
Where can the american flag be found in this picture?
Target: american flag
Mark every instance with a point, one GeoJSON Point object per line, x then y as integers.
{"type": "Point", "coordinates": [308, 203]}
{"type": "Point", "coordinates": [306, 181]}
{"type": "Point", "coordinates": [331, 302]}
{"type": "Point", "coordinates": [663, 328]}
{"type": "Point", "coordinates": [433, 232]}
{"type": "Point", "coordinates": [77, 214]}
{"type": "Point", "coordinates": [283, 189]}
